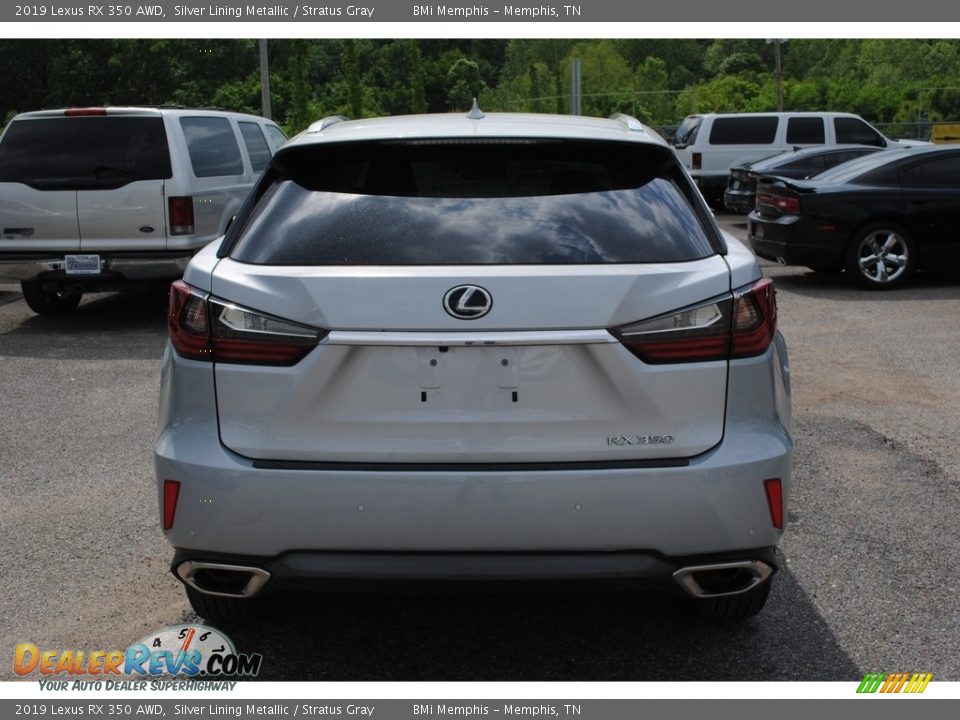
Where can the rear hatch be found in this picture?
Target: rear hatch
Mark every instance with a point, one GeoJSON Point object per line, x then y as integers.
{"type": "Point", "coordinates": [471, 302]}
{"type": "Point", "coordinates": [84, 180]}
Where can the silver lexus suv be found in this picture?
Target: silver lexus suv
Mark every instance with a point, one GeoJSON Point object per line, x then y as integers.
{"type": "Point", "coordinates": [481, 347]}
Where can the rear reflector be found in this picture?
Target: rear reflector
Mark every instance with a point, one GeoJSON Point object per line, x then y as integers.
{"type": "Point", "coordinates": [774, 491]}
{"type": "Point", "coordinates": [84, 112]}
{"type": "Point", "coordinates": [171, 493]}
{"type": "Point", "coordinates": [735, 326]}
{"type": "Point", "coordinates": [205, 328]}
{"type": "Point", "coordinates": [181, 215]}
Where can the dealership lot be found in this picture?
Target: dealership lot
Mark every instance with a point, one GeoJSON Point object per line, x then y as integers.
{"type": "Point", "coordinates": [871, 582]}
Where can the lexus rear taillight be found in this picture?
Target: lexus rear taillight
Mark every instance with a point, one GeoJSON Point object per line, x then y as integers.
{"type": "Point", "coordinates": [211, 329]}
{"type": "Point", "coordinates": [754, 319]}
{"type": "Point", "coordinates": [181, 215]}
{"type": "Point", "coordinates": [734, 326]}
{"type": "Point", "coordinates": [784, 204]}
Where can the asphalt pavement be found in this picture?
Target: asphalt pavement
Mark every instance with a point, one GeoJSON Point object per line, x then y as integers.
{"type": "Point", "coordinates": [871, 581]}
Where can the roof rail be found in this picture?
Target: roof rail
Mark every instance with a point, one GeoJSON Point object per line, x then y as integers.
{"type": "Point", "coordinates": [323, 124]}
{"type": "Point", "coordinates": [631, 123]}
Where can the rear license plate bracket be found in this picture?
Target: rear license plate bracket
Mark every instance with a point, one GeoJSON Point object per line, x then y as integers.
{"type": "Point", "coordinates": [81, 264]}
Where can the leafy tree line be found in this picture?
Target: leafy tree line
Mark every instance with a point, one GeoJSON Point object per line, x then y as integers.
{"type": "Point", "coordinates": [658, 80]}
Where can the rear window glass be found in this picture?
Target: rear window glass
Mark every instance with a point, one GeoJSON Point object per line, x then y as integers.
{"type": "Point", "coordinates": [77, 153]}
{"type": "Point", "coordinates": [256, 145]}
{"type": "Point", "coordinates": [472, 202]}
{"type": "Point", "coordinates": [212, 145]}
{"type": "Point", "coordinates": [743, 131]}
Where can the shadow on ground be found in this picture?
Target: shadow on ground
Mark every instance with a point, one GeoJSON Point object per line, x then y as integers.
{"type": "Point", "coordinates": [540, 637]}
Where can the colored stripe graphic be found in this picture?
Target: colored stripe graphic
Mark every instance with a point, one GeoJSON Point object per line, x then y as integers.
{"type": "Point", "coordinates": [871, 683]}
{"type": "Point", "coordinates": [918, 683]}
{"type": "Point", "coordinates": [895, 682]}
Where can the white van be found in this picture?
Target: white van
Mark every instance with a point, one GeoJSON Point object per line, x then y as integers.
{"type": "Point", "coordinates": [709, 145]}
{"type": "Point", "coordinates": [95, 199]}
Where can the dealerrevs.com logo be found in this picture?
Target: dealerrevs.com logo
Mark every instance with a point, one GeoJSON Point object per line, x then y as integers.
{"type": "Point", "coordinates": [180, 650]}
{"type": "Point", "coordinates": [890, 683]}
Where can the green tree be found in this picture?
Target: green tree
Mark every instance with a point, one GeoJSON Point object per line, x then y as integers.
{"type": "Point", "coordinates": [464, 83]}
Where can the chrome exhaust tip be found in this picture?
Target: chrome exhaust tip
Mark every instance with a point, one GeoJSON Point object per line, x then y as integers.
{"type": "Point", "coordinates": [239, 581]}
{"type": "Point", "coordinates": [730, 578]}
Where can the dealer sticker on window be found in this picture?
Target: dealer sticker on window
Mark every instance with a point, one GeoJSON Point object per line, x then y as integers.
{"type": "Point", "coordinates": [82, 264]}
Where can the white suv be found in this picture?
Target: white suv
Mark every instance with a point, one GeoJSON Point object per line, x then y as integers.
{"type": "Point", "coordinates": [474, 347]}
{"type": "Point", "coordinates": [101, 198]}
{"type": "Point", "coordinates": [710, 145]}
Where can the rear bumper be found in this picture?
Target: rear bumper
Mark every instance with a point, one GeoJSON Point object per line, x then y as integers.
{"type": "Point", "coordinates": [714, 503]}
{"type": "Point", "coordinates": [350, 571]}
{"type": "Point", "coordinates": [738, 201]}
{"type": "Point", "coordinates": [49, 267]}
{"type": "Point", "coordinates": [791, 241]}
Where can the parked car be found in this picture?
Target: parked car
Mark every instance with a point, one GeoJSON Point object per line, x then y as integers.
{"type": "Point", "coordinates": [709, 145]}
{"type": "Point", "coordinates": [741, 192]}
{"type": "Point", "coordinates": [500, 346]}
{"type": "Point", "coordinates": [95, 199]}
{"type": "Point", "coordinates": [880, 218]}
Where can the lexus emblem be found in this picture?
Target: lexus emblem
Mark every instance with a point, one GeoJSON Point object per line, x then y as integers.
{"type": "Point", "coordinates": [467, 302]}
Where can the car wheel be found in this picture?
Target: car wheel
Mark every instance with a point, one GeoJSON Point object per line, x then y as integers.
{"type": "Point", "coordinates": [881, 256]}
{"type": "Point", "coordinates": [225, 612]}
{"type": "Point", "coordinates": [42, 302]}
{"type": "Point", "coordinates": [736, 608]}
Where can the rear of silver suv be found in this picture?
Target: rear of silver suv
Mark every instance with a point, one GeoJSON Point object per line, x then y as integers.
{"type": "Point", "coordinates": [474, 348]}
{"type": "Point", "coordinates": [98, 199]}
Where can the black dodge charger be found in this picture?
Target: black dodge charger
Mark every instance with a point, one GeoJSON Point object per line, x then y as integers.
{"type": "Point", "coordinates": [880, 218]}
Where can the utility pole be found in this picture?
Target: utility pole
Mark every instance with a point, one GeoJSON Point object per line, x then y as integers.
{"type": "Point", "coordinates": [265, 108]}
{"type": "Point", "coordinates": [778, 70]}
{"type": "Point", "coordinates": [575, 96]}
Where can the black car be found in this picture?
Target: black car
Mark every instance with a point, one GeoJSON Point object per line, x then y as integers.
{"type": "Point", "coordinates": [798, 163]}
{"type": "Point", "coordinates": [880, 218]}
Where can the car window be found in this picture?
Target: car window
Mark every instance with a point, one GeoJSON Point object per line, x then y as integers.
{"type": "Point", "coordinates": [275, 136]}
{"type": "Point", "coordinates": [798, 164]}
{"type": "Point", "coordinates": [853, 131]}
{"type": "Point", "coordinates": [256, 145]}
{"type": "Point", "coordinates": [687, 130]}
{"type": "Point", "coordinates": [942, 172]}
{"type": "Point", "coordinates": [467, 202]}
{"type": "Point", "coordinates": [879, 167]}
{"type": "Point", "coordinates": [96, 152]}
{"type": "Point", "coordinates": [805, 130]}
{"type": "Point", "coordinates": [744, 130]}
{"type": "Point", "coordinates": [212, 145]}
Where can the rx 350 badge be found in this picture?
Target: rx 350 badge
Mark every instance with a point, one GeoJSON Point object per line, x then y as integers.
{"type": "Point", "coordinates": [191, 650]}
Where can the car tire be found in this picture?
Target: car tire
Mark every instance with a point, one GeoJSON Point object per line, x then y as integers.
{"type": "Point", "coordinates": [881, 257]}
{"type": "Point", "coordinates": [225, 612]}
{"type": "Point", "coordinates": [42, 302]}
{"type": "Point", "coordinates": [736, 608]}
